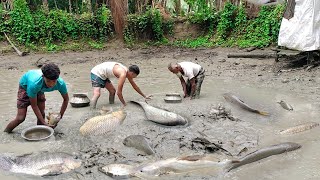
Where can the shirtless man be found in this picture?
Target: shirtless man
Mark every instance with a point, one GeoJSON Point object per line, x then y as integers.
{"type": "Point", "coordinates": [100, 78]}
{"type": "Point", "coordinates": [195, 75]}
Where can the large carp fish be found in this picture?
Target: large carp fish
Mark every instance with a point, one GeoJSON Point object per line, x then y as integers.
{"type": "Point", "coordinates": [237, 101]}
{"type": "Point", "coordinates": [264, 153]}
{"type": "Point", "coordinates": [42, 164]}
{"type": "Point", "coordinates": [103, 124]}
{"type": "Point", "coordinates": [161, 116]}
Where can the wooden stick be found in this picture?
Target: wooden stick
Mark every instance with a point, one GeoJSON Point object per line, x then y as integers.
{"type": "Point", "coordinates": [14, 47]}
{"type": "Point", "coordinates": [251, 55]}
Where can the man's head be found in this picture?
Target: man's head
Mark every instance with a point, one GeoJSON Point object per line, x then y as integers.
{"type": "Point", "coordinates": [173, 67]}
{"type": "Point", "coordinates": [134, 71]}
{"type": "Point", "coordinates": [50, 73]}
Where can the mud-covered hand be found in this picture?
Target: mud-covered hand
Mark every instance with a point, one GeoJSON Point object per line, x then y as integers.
{"type": "Point", "coordinates": [147, 97]}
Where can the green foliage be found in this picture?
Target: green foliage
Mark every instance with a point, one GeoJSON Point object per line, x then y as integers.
{"type": "Point", "coordinates": [263, 30]}
{"type": "Point", "coordinates": [56, 25]}
{"type": "Point", "coordinates": [226, 22]}
{"type": "Point", "coordinates": [149, 25]}
{"type": "Point", "coordinates": [22, 22]}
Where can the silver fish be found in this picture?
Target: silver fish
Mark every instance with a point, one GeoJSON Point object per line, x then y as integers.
{"type": "Point", "coordinates": [181, 165]}
{"type": "Point", "coordinates": [264, 153]}
{"type": "Point", "coordinates": [41, 164]}
{"type": "Point", "coordinates": [265, 2]}
{"type": "Point", "coordinates": [235, 100]}
{"type": "Point", "coordinates": [300, 128]}
{"type": "Point", "coordinates": [139, 142]}
{"type": "Point", "coordinates": [285, 105]}
{"type": "Point", "coordinates": [117, 171]}
{"type": "Point", "coordinates": [103, 124]}
{"type": "Point", "coordinates": [161, 116]}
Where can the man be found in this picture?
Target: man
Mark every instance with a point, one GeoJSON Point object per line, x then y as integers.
{"type": "Point", "coordinates": [100, 78]}
{"type": "Point", "coordinates": [195, 75]}
{"type": "Point", "coordinates": [32, 86]}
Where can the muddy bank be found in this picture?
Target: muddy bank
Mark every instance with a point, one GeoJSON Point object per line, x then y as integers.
{"type": "Point", "coordinates": [237, 131]}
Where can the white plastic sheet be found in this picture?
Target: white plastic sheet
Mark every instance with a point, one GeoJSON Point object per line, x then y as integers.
{"type": "Point", "coordinates": [302, 31]}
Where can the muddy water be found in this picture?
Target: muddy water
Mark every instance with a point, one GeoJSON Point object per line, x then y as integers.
{"type": "Point", "coordinates": [251, 132]}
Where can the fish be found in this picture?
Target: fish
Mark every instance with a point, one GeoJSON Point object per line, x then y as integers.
{"type": "Point", "coordinates": [103, 124]}
{"type": "Point", "coordinates": [285, 105]}
{"type": "Point", "coordinates": [265, 2]}
{"type": "Point", "coordinates": [162, 116]}
{"type": "Point", "coordinates": [264, 153]}
{"type": "Point", "coordinates": [40, 164]}
{"type": "Point", "coordinates": [117, 171]}
{"type": "Point", "coordinates": [181, 165]}
{"type": "Point", "coordinates": [53, 118]}
{"type": "Point", "coordinates": [300, 128]}
{"type": "Point", "coordinates": [235, 100]}
{"type": "Point", "coordinates": [139, 142]}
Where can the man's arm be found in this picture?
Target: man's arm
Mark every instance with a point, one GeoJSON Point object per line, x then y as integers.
{"type": "Point", "coordinates": [184, 86]}
{"type": "Point", "coordinates": [193, 86]}
{"type": "Point", "coordinates": [135, 87]}
{"type": "Point", "coordinates": [64, 104]}
{"type": "Point", "coordinates": [121, 81]}
{"type": "Point", "coordinates": [36, 110]}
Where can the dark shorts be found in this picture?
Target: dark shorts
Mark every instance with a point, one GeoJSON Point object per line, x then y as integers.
{"type": "Point", "coordinates": [96, 81]}
{"type": "Point", "coordinates": [23, 100]}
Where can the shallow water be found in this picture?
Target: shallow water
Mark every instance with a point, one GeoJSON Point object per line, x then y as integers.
{"type": "Point", "coordinates": [252, 132]}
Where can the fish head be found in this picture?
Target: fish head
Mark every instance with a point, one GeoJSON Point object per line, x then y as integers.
{"type": "Point", "coordinates": [121, 114]}
{"type": "Point", "coordinates": [290, 146]}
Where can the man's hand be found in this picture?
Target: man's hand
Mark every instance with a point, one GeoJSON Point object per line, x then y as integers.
{"type": "Point", "coordinates": [147, 97]}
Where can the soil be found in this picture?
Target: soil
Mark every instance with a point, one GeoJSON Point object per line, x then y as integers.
{"type": "Point", "coordinates": [258, 82]}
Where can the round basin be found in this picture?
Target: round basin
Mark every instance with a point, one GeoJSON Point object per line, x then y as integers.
{"type": "Point", "coordinates": [173, 98]}
{"type": "Point", "coordinates": [37, 133]}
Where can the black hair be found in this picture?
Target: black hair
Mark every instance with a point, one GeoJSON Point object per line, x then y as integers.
{"type": "Point", "coordinates": [135, 69]}
{"type": "Point", "coordinates": [50, 71]}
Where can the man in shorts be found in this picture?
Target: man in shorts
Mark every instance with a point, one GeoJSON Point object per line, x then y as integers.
{"type": "Point", "coordinates": [100, 78]}
{"type": "Point", "coordinates": [32, 87]}
{"type": "Point", "coordinates": [194, 73]}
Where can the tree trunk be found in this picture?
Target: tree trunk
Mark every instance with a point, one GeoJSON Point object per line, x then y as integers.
{"type": "Point", "coordinates": [70, 7]}
{"type": "Point", "coordinates": [45, 5]}
{"type": "Point", "coordinates": [55, 4]}
{"type": "Point", "coordinates": [178, 7]}
{"type": "Point", "coordinates": [88, 3]}
{"type": "Point", "coordinates": [118, 11]}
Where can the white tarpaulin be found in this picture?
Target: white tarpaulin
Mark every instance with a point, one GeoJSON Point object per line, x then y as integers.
{"type": "Point", "coordinates": [302, 31]}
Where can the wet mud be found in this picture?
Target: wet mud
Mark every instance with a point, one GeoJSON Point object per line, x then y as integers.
{"type": "Point", "coordinates": [214, 125]}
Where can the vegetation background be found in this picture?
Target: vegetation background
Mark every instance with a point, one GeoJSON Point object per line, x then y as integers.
{"type": "Point", "coordinates": [53, 25]}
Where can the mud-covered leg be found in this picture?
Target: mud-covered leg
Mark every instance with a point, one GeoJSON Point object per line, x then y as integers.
{"type": "Point", "coordinates": [21, 116]}
{"type": "Point", "coordinates": [95, 97]}
{"type": "Point", "coordinates": [112, 92]}
{"type": "Point", "coordinates": [188, 87]}
{"type": "Point", "coordinates": [199, 81]}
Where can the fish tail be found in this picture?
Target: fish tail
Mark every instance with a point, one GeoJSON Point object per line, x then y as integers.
{"type": "Point", "coordinates": [263, 113]}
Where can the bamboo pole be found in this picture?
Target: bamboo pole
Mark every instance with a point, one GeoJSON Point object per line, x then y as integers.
{"type": "Point", "coordinates": [14, 47]}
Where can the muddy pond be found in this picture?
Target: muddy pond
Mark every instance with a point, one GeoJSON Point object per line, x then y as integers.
{"type": "Point", "coordinates": [253, 80]}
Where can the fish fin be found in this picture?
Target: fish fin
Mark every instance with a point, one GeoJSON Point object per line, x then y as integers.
{"type": "Point", "coordinates": [263, 113]}
{"type": "Point", "coordinates": [53, 170]}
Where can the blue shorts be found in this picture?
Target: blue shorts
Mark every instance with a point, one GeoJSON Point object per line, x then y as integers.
{"type": "Point", "coordinates": [96, 81]}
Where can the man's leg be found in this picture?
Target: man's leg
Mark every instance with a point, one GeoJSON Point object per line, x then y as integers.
{"type": "Point", "coordinates": [112, 92]}
{"type": "Point", "coordinates": [188, 87]}
{"type": "Point", "coordinates": [199, 81]}
{"type": "Point", "coordinates": [95, 97]}
{"type": "Point", "coordinates": [41, 105]}
{"type": "Point", "coordinates": [21, 116]}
